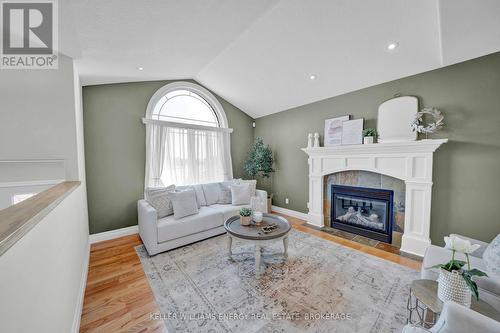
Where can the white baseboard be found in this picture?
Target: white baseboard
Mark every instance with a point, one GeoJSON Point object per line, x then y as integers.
{"type": "Point", "coordinates": [112, 234]}
{"type": "Point", "coordinates": [81, 293]}
{"type": "Point", "coordinates": [289, 212]}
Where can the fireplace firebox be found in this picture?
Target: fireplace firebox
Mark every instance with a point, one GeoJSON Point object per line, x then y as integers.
{"type": "Point", "coordinates": [364, 211]}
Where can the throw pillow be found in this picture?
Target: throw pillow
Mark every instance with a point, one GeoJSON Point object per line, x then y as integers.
{"type": "Point", "coordinates": [491, 257]}
{"type": "Point", "coordinates": [251, 182]}
{"type": "Point", "coordinates": [241, 194]}
{"type": "Point", "coordinates": [225, 192]}
{"type": "Point", "coordinates": [200, 196]}
{"type": "Point", "coordinates": [189, 187]}
{"type": "Point", "coordinates": [212, 193]}
{"type": "Point", "coordinates": [184, 203]}
{"type": "Point", "coordinates": [159, 198]}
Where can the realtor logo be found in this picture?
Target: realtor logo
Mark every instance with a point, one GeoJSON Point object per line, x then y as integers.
{"type": "Point", "coordinates": [29, 34]}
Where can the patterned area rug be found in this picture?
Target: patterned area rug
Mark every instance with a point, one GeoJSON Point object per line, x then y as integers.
{"type": "Point", "coordinates": [321, 287]}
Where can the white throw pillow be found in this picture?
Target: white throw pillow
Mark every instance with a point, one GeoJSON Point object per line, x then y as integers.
{"type": "Point", "coordinates": [241, 194]}
{"type": "Point", "coordinates": [491, 257]}
{"type": "Point", "coordinates": [200, 197]}
{"type": "Point", "coordinates": [212, 193]}
{"type": "Point", "coordinates": [184, 203]}
{"type": "Point", "coordinates": [159, 198]}
{"type": "Point", "coordinates": [251, 182]}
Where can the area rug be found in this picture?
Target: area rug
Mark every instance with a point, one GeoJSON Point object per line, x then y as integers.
{"type": "Point", "coordinates": [321, 287]}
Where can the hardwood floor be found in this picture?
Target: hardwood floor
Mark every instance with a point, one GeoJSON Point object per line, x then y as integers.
{"type": "Point", "coordinates": [118, 297]}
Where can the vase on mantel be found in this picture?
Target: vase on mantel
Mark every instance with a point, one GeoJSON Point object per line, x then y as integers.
{"type": "Point", "coordinates": [368, 140]}
{"type": "Point", "coordinates": [452, 287]}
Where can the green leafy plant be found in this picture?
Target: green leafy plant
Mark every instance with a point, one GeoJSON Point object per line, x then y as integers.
{"type": "Point", "coordinates": [455, 244]}
{"type": "Point", "coordinates": [370, 132]}
{"type": "Point", "coordinates": [245, 212]}
{"type": "Point", "coordinates": [260, 160]}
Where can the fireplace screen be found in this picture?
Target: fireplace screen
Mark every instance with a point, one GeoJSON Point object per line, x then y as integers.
{"type": "Point", "coordinates": [364, 211]}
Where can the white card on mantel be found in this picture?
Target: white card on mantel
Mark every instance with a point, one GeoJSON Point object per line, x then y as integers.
{"type": "Point", "coordinates": [333, 130]}
{"type": "Point", "coordinates": [352, 132]}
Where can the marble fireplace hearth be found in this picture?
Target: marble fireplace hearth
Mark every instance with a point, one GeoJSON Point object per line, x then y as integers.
{"type": "Point", "coordinates": [411, 162]}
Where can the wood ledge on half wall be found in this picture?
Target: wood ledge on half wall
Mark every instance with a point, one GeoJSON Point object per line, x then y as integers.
{"type": "Point", "coordinates": [17, 220]}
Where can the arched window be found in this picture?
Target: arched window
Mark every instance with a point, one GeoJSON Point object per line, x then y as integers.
{"type": "Point", "coordinates": [187, 139]}
{"type": "Point", "coordinates": [186, 107]}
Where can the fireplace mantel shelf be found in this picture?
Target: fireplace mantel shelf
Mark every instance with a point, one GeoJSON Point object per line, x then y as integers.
{"type": "Point", "coordinates": [422, 146]}
{"type": "Point", "coordinates": [409, 161]}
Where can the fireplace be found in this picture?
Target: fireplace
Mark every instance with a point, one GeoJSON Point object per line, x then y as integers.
{"type": "Point", "coordinates": [364, 211]}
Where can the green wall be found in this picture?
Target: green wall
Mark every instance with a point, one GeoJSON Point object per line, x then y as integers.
{"type": "Point", "coordinates": [115, 149]}
{"type": "Point", "coordinates": [466, 169]}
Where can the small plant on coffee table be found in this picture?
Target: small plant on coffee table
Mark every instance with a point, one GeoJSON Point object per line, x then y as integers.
{"type": "Point", "coordinates": [245, 212]}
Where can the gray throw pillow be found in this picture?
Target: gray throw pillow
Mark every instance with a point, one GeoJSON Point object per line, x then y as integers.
{"type": "Point", "coordinates": [159, 198]}
{"type": "Point", "coordinates": [225, 192]}
{"type": "Point", "coordinates": [491, 257]}
{"type": "Point", "coordinates": [184, 203]}
{"type": "Point", "coordinates": [241, 194]}
{"type": "Point", "coordinates": [212, 193]}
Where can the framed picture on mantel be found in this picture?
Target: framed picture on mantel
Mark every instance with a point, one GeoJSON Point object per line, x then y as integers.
{"type": "Point", "coordinates": [333, 130]}
{"type": "Point", "coordinates": [352, 132]}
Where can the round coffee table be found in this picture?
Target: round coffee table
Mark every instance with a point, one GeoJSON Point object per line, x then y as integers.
{"type": "Point", "coordinates": [423, 302]}
{"type": "Point", "coordinates": [256, 235]}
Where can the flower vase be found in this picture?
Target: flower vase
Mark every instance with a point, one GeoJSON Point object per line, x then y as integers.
{"type": "Point", "coordinates": [452, 287]}
{"type": "Point", "coordinates": [368, 140]}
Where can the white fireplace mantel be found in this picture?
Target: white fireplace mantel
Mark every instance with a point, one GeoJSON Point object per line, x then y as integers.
{"type": "Point", "coordinates": [410, 161]}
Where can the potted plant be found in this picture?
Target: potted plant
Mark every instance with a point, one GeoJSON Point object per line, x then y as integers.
{"type": "Point", "coordinates": [369, 135]}
{"type": "Point", "coordinates": [245, 216]}
{"type": "Point", "coordinates": [259, 163]}
{"type": "Point", "coordinates": [455, 281]}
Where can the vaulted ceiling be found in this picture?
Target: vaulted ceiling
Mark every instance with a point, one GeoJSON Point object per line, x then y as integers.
{"type": "Point", "coordinates": [259, 54]}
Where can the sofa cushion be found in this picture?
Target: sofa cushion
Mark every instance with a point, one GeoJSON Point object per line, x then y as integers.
{"type": "Point", "coordinates": [241, 194]}
{"type": "Point", "coordinates": [491, 257]}
{"type": "Point", "coordinates": [207, 218]}
{"type": "Point", "coordinates": [228, 210]}
{"type": "Point", "coordinates": [184, 203]}
{"type": "Point", "coordinates": [159, 198]}
{"type": "Point", "coordinates": [212, 193]}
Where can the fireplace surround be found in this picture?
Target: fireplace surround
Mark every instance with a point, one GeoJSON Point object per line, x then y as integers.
{"type": "Point", "coordinates": [409, 161]}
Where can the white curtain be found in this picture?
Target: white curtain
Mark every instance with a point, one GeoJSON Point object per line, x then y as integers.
{"type": "Point", "coordinates": [186, 156]}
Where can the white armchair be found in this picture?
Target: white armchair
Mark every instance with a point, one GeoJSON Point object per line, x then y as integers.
{"type": "Point", "coordinates": [489, 287]}
{"type": "Point", "coordinates": [456, 318]}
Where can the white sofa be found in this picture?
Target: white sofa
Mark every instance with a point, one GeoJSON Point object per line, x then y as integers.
{"type": "Point", "coordinates": [159, 235]}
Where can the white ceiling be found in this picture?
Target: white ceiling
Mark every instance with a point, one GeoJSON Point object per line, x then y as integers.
{"type": "Point", "coordinates": [259, 54]}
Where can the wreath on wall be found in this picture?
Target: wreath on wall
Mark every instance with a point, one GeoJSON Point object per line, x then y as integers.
{"type": "Point", "coordinates": [418, 126]}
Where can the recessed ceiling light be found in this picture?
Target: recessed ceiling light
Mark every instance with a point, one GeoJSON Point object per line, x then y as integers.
{"type": "Point", "coordinates": [392, 46]}
{"type": "Point", "coordinates": [313, 77]}
{"type": "Point", "coordinates": [140, 68]}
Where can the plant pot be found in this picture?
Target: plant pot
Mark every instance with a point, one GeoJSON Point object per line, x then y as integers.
{"type": "Point", "coordinates": [245, 220]}
{"type": "Point", "coordinates": [368, 140]}
{"type": "Point", "coordinates": [452, 287]}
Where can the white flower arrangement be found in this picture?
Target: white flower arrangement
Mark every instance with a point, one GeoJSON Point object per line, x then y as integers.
{"type": "Point", "coordinates": [457, 244]}
{"type": "Point", "coordinates": [438, 123]}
